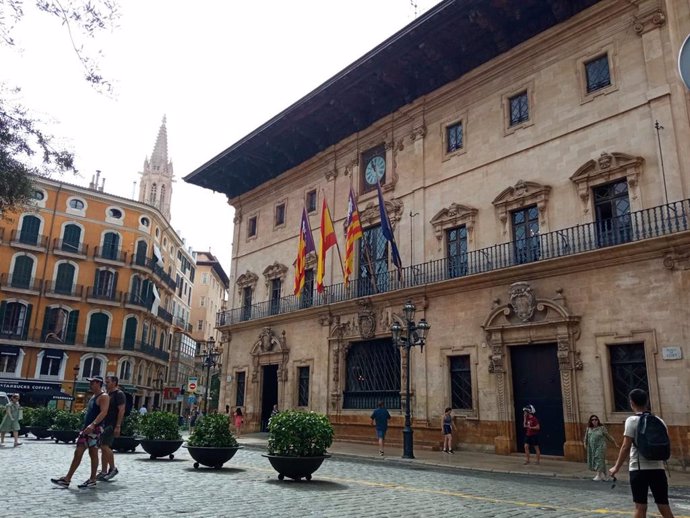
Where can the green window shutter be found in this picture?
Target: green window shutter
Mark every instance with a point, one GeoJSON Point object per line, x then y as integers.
{"type": "Point", "coordinates": [98, 330]}
{"type": "Point", "coordinates": [111, 245]}
{"type": "Point", "coordinates": [21, 275]}
{"type": "Point", "coordinates": [71, 238]}
{"type": "Point", "coordinates": [130, 331]}
{"type": "Point", "coordinates": [64, 278]}
{"type": "Point", "coordinates": [72, 322]}
{"type": "Point", "coordinates": [27, 322]}
{"type": "Point", "coordinates": [3, 307]}
{"type": "Point", "coordinates": [29, 232]}
{"type": "Point", "coordinates": [46, 323]}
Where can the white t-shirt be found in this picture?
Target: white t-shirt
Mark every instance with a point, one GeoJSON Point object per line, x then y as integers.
{"type": "Point", "coordinates": [631, 431]}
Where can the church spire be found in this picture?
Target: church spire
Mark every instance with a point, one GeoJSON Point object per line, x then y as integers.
{"type": "Point", "coordinates": [155, 187]}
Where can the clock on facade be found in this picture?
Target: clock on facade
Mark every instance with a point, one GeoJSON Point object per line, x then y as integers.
{"type": "Point", "coordinates": [374, 167]}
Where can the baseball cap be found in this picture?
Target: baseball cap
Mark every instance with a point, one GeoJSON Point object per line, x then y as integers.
{"type": "Point", "coordinates": [96, 378]}
{"type": "Point", "coordinates": [530, 409]}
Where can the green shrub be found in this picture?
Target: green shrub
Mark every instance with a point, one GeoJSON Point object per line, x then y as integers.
{"type": "Point", "coordinates": [213, 431]}
{"type": "Point", "coordinates": [65, 420]}
{"type": "Point", "coordinates": [160, 426]}
{"type": "Point", "coordinates": [131, 424]}
{"type": "Point", "coordinates": [27, 416]}
{"type": "Point", "coordinates": [43, 417]}
{"type": "Point", "coordinates": [294, 433]}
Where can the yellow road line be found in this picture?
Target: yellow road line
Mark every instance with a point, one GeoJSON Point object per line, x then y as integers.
{"type": "Point", "coordinates": [467, 496]}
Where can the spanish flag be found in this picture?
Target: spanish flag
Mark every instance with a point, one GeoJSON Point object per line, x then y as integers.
{"type": "Point", "coordinates": [353, 233]}
{"type": "Point", "coordinates": [328, 240]}
{"type": "Point", "coordinates": [304, 246]}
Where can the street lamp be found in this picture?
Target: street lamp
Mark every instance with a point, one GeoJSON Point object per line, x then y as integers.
{"type": "Point", "coordinates": [74, 385]}
{"type": "Point", "coordinates": [409, 336]}
{"type": "Point", "coordinates": [210, 359]}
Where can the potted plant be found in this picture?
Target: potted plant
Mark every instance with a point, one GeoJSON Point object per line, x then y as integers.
{"type": "Point", "coordinates": [41, 421]}
{"type": "Point", "coordinates": [160, 435]}
{"type": "Point", "coordinates": [66, 426]}
{"type": "Point", "coordinates": [297, 443]}
{"type": "Point", "coordinates": [212, 443]}
{"type": "Point", "coordinates": [130, 428]}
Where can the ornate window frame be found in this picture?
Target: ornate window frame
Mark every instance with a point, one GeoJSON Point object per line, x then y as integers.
{"type": "Point", "coordinates": [522, 194]}
{"type": "Point", "coordinates": [455, 215]}
{"type": "Point", "coordinates": [274, 271]}
{"type": "Point", "coordinates": [471, 350]}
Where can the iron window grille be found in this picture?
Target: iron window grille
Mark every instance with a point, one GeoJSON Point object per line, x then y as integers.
{"type": "Point", "coordinates": [519, 108]}
{"type": "Point", "coordinates": [251, 227]}
{"type": "Point", "coordinates": [303, 389]}
{"type": "Point", "coordinates": [526, 234]}
{"type": "Point", "coordinates": [628, 372]}
{"type": "Point", "coordinates": [598, 73]}
{"type": "Point", "coordinates": [311, 201]}
{"type": "Point", "coordinates": [454, 137]}
{"type": "Point", "coordinates": [456, 251]}
{"type": "Point", "coordinates": [612, 209]}
{"type": "Point", "coordinates": [461, 382]}
{"type": "Point", "coordinates": [373, 375]}
{"type": "Point", "coordinates": [239, 396]}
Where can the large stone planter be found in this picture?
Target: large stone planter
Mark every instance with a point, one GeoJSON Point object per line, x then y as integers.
{"type": "Point", "coordinates": [295, 468]}
{"type": "Point", "coordinates": [125, 444]}
{"type": "Point", "coordinates": [211, 457]}
{"type": "Point", "coordinates": [159, 448]}
{"type": "Point", "coordinates": [24, 430]}
{"type": "Point", "coordinates": [40, 432]}
{"type": "Point", "coordinates": [64, 435]}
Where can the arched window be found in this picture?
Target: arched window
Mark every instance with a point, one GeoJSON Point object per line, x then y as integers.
{"type": "Point", "coordinates": [142, 250]}
{"type": "Point", "coordinates": [60, 325]}
{"type": "Point", "coordinates": [64, 279]}
{"type": "Point", "coordinates": [152, 195]}
{"type": "Point", "coordinates": [104, 284]}
{"type": "Point", "coordinates": [98, 330]}
{"type": "Point", "coordinates": [71, 238]}
{"type": "Point", "coordinates": [125, 370]}
{"type": "Point", "coordinates": [130, 332]}
{"type": "Point", "coordinates": [14, 319]}
{"type": "Point", "coordinates": [92, 366]}
{"type": "Point", "coordinates": [29, 232]}
{"type": "Point", "coordinates": [111, 246]}
{"type": "Point", "coordinates": [135, 290]}
{"type": "Point", "coordinates": [161, 202]}
{"type": "Point", "coordinates": [22, 272]}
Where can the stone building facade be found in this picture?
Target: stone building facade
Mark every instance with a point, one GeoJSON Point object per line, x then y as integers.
{"type": "Point", "coordinates": [538, 196]}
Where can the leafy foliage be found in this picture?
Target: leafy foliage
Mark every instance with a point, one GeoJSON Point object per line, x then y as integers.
{"type": "Point", "coordinates": [65, 420]}
{"type": "Point", "coordinates": [27, 416]}
{"type": "Point", "coordinates": [160, 426]}
{"type": "Point", "coordinates": [43, 417]}
{"type": "Point", "coordinates": [294, 433]}
{"type": "Point", "coordinates": [131, 424]}
{"type": "Point", "coordinates": [213, 431]}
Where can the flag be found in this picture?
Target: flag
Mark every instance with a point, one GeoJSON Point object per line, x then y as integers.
{"type": "Point", "coordinates": [387, 232]}
{"type": "Point", "coordinates": [328, 240]}
{"type": "Point", "coordinates": [353, 233]}
{"type": "Point", "coordinates": [157, 255]}
{"type": "Point", "coordinates": [304, 246]}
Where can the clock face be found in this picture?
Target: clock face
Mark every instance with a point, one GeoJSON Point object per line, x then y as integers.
{"type": "Point", "coordinates": [375, 169]}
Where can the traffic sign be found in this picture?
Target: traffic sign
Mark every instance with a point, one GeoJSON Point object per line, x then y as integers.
{"type": "Point", "coordinates": [192, 383]}
{"type": "Point", "coordinates": [192, 387]}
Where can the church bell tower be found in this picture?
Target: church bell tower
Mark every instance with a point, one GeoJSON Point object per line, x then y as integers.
{"type": "Point", "coordinates": [155, 187]}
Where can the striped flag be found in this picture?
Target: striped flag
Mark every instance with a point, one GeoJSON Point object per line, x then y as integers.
{"type": "Point", "coordinates": [387, 232]}
{"type": "Point", "coordinates": [328, 240]}
{"type": "Point", "coordinates": [353, 233]}
{"type": "Point", "coordinates": [304, 246]}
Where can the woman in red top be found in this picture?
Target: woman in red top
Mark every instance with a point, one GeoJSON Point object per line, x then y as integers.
{"type": "Point", "coordinates": [531, 425]}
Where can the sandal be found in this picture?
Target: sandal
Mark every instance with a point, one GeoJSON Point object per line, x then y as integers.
{"type": "Point", "coordinates": [62, 481]}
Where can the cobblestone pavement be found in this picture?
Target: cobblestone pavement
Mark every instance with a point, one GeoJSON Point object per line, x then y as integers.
{"type": "Point", "coordinates": [248, 486]}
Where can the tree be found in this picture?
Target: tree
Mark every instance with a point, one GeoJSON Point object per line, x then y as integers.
{"type": "Point", "coordinates": [26, 148]}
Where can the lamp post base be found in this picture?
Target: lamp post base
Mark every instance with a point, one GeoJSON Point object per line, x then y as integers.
{"type": "Point", "coordinates": [408, 443]}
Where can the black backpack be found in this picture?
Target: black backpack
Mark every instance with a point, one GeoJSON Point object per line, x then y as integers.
{"type": "Point", "coordinates": [651, 439]}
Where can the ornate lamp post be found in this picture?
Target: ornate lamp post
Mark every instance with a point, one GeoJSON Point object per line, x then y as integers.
{"type": "Point", "coordinates": [409, 336]}
{"type": "Point", "coordinates": [74, 386]}
{"type": "Point", "coordinates": [210, 359]}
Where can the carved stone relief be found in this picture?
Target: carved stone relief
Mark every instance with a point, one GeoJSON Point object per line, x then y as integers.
{"type": "Point", "coordinates": [372, 215]}
{"type": "Point", "coordinates": [247, 280]}
{"type": "Point", "coordinates": [270, 349]}
{"type": "Point", "coordinates": [452, 216]}
{"type": "Point", "coordinates": [275, 271]}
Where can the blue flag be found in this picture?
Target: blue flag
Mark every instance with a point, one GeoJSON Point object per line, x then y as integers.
{"type": "Point", "coordinates": [387, 232]}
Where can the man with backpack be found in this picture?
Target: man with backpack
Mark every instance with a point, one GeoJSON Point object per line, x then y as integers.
{"type": "Point", "coordinates": [646, 441]}
{"type": "Point", "coordinates": [112, 426]}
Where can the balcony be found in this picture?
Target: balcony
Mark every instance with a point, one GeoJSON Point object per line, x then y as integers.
{"type": "Point", "coordinates": [152, 351]}
{"type": "Point", "coordinates": [9, 281]}
{"type": "Point", "coordinates": [109, 255]}
{"type": "Point", "coordinates": [70, 249]}
{"type": "Point", "coordinates": [134, 299]}
{"type": "Point", "coordinates": [56, 290]}
{"type": "Point", "coordinates": [107, 295]}
{"type": "Point", "coordinates": [650, 223]}
{"type": "Point", "coordinates": [28, 240]}
{"type": "Point", "coordinates": [162, 274]}
{"type": "Point", "coordinates": [165, 315]}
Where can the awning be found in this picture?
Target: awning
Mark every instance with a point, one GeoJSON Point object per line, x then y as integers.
{"type": "Point", "coordinates": [49, 394]}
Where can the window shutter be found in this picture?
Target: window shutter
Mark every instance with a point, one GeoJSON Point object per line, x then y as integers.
{"type": "Point", "coordinates": [27, 322]}
{"type": "Point", "coordinates": [3, 307]}
{"type": "Point", "coordinates": [130, 331]}
{"type": "Point", "coordinates": [114, 288]}
{"type": "Point", "coordinates": [46, 323]}
{"type": "Point", "coordinates": [72, 322]}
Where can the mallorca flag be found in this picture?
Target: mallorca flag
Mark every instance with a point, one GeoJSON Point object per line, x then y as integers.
{"type": "Point", "coordinates": [328, 240]}
{"type": "Point", "coordinates": [354, 232]}
{"type": "Point", "coordinates": [387, 232]}
{"type": "Point", "coordinates": [304, 246]}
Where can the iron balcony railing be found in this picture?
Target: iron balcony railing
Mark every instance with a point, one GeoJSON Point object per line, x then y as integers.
{"type": "Point", "coordinates": [135, 299]}
{"type": "Point", "coordinates": [28, 238]}
{"type": "Point", "coordinates": [152, 350]}
{"type": "Point", "coordinates": [165, 315]}
{"type": "Point", "coordinates": [53, 288]}
{"type": "Point", "coordinates": [371, 398]}
{"type": "Point", "coordinates": [110, 254]}
{"type": "Point", "coordinates": [60, 245]}
{"type": "Point", "coordinates": [161, 273]}
{"type": "Point", "coordinates": [8, 280]}
{"type": "Point", "coordinates": [635, 226]}
{"type": "Point", "coordinates": [95, 292]}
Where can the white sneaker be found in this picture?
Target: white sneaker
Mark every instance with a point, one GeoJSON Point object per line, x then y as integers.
{"type": "Point", "coordinates": [597, 478]}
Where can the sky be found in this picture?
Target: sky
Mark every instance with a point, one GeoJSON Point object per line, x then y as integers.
{"type": "Point", "coordinates": [217, 69]}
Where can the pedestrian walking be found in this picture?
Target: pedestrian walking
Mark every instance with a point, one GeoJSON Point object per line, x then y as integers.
{"type": "Point", "coordinates": [112, 426]}
{"type": "Point", "coordinates": [596, 436]}
{"type": "Point", "coordinates": [89, 436]}
{"type": "Point", "coordinates": [238, 419]}
{"type": "Point", "coordinates": [10, 421]}
{"type": "Point", "coordinates": [447, 427]}
{"type": "Point", "coordinates": [143, 410]}
{"type": "Point", "coordinates": [380, 418]}
{"type": "Point", "coordinates": [532, 428]}
{"type": "Point", "coordinates": [645, 474]}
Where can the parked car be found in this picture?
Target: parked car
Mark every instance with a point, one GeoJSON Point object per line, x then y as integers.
{"type": "Point", "coordinates": [4, 399]}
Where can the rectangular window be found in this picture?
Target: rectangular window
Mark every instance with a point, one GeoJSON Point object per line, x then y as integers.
{"type": "Point", "coordinates": [202, 301]}
{"type": "Point", "coordinates": [50, 366]}
{"type": "Point", "coordinates": [280, 215]}
{"type": "Point", "coordinates": [456, 242]}
{"type": "Point", "coordinates": [526, 234]}
{"type": "Point", "coordinates": [251, 227]}
{"type": "Point", "coordinates": [373, 253]}
{"type": "Point", "coordinates": [204, 278]}
{"type": "Point", "coordinates": [8, 363]}
{"type": "Point", "coordinates": [246, 303]}
{"type": "Point", "coordinates": [519, 109]}
{"type": "Point", "coordinates": [239, 395]}
{"type": "Point", "coordinates": [276, 286]}
{"type": "Point", "coordinates": [598, 73]}
{"type": "Point", "coordinates": [612, 210]}
{"type": "Point", "coordinates": [628, 371]}
{"type": "Point", "coordinates": [307, 297]}
{"type": "Point", "coordinates": [303, 389]}
{"type": "Point", "coordinates": [454, 137]}
{"type": "Point", "coordinates": [200, 325]}
{"type": "Point", "coordinates": [311, 201]}
{"type": "Point", "coordinates": [461, 382]}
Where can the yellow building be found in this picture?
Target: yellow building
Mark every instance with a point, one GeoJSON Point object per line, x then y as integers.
{"type": "Point", "coordinates": [88, 288]}
{"type": "Point", "coordinates": [534, 170]}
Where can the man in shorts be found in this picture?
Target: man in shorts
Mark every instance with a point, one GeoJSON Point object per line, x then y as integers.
{"type": "Point", "coordinates": [380, 418]}
{"type": "Point", "coordinates": [644, 474]}
{"type": "Point", "coordinates": [111, 427]}
{"type": "Point", "coordinates": [96, 410]}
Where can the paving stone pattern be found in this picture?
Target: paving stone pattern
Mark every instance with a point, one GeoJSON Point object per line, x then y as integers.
{"type": "Point", "coordinates": [248, 486]}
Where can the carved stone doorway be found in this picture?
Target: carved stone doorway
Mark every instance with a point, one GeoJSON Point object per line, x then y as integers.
{"type": "Point", "coordinates": [269, 393]}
